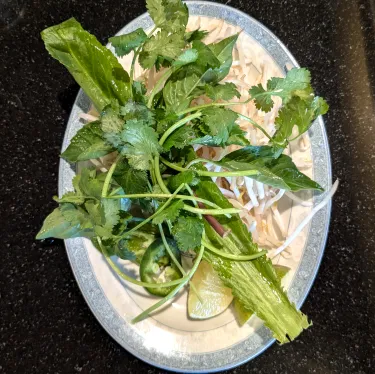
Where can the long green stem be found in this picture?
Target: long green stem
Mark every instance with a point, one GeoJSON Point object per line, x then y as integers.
{"type": "Point", "coordinates": [178, 124]}
{"type": "Point", "coordinates": [211, 212]}
{"type": "Point", "coordinates": [157, 86]}
{"type": "Point", "coordinates": [145, 313]}
{"type": "Point", "coordinates": [255, 125]}
{"type": "Point", "coordinates": [155, 214]}
{"type": "Point", "coordinates": [108, 177]}
{"type": "Point", "coordinates": [238, 173]}
{"type": "Point", "coordinates": [158, 176]}
{"type": "Point", "coordinates": [136, 53]}
{"type": "Point", "coordinates": [135, 281]}
{"type": "Point", "coordinates": [175, 261]}
{"type": "Point", "coordinates": [232, 257]}
{"type": "Point", "coordinates": [205, 106]}
{"type": "Point", "coordinates": [164, 196]}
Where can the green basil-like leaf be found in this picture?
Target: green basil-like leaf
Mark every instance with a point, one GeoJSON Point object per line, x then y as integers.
{"type": "Point", "coordinates": [87, 144]}
{"type": "Point", "coordinates": [279, 173]}
{"type": "Point", "coordinates": [92, 65]}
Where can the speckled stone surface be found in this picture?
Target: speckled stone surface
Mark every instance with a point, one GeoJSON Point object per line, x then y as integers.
{"type": "Point", "coordinates": [46, 326]}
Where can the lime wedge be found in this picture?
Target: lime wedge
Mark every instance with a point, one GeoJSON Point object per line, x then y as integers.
{"type": "Point", "coordinates": [214, 295]}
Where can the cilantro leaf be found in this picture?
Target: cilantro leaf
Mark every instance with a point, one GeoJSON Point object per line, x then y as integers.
{"type": "Point", "coordinates": [170, 213]}
{"type": "Point", "coordinates": [195, 35]}
{"type": "Point", "coordinates": [179, 93]}
{"type": "Point", "coordinates": [139, 91]}
{"type": "Point", "coordinates": [279, 173]}
{"type": "Point", "coordinates": [188, 233]}
{"type": "Point", "coordinates": [165, 121]}
{"type": "Point", "coordinates": [76, 49]}
{"type": "Point", "coordinates": [295, 83]}
{"type": "Point", "coordinates": [169, 15]}
{"type": "Point", "coordinates": [298, 113]}
{"type": "Point", "coordinates": [131, 180]}
{"type": "Point", "coordinates": [185, 177]}
{"type": "Point", "coordinates": [217, 123]}
{"type": "Point", "coordinates": [182, 137]}
{"type": "Point", "coordinates": [124, 44]}
{"type": "Point", "coordinates": [87, 144]}
{"type": "Point", "coordinates": [90, 184]}
{"type": "Point", "coordinates": [111, 122]}
{"type": "Point", "coordinates": [110, 213]}
{"type": "Point", "coordinates": [224, 91]}
{"type": "Point", "coordinates": [140, 144]}
{"type": "Point", "coordinates": [167, 46]}
{"type": "Point", "coordinates": [133, 110]}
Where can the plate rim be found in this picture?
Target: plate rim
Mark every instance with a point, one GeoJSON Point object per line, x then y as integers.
{"type": "Point", "coordinates": [66, 171]}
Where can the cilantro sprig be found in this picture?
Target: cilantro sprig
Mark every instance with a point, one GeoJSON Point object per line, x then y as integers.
{"type": "Point", "coordinates": [156, 184]}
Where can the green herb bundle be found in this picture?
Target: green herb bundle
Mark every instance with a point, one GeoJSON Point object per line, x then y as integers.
{"type": "Point", "coordinates": [155, 200]}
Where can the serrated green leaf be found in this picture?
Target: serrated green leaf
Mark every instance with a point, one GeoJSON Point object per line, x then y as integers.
{"type": "Point", "coordinates": [87, 144]}
{"type": "Point", "coordinates": [179, 93]}
{"type": "Point", "coordinates": [169, 15]}
{"type": "Point", "coordinates": [180, 138]}
{"type": "Point", "coordinates": [163, 45]}
{"type": "Point", "coordinates": [188, 233]}
{"type": "Point", "coordinates": [90, 184]}
{"type": "Point", "coordinates": [131, 180]}
{"type": "Point", "coordinates": [138, 111]}
{"type": "Point", "coordinates": [170, 213]}
{"type": "Point", "coordinates": [186, 177]}
{"type": "Point", "coordinates": [124, 44]}
{"type": "Point", "coordinates": [300, 113]}
{"type": "Point", "coordinates": [140, 145]}
{"type": "Point", "coordinates": [295, 83]}
{"type": "Point", "coordinates": [102, 81]}
{"type": "Point", "coordinates": [111, 121]}
{"type": "Point", "coordinates": [279, 173]}
{"type": "Point", "coordinates": [224, 91]}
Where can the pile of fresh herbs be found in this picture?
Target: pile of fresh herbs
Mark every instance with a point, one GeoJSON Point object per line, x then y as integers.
{"type": "Point", "coordinates": [157, 188]}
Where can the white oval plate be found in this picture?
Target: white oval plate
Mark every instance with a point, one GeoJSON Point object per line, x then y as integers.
{"type": "Point", "coordinates": [169, 339]}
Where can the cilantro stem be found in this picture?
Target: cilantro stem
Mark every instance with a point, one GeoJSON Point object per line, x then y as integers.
{"type": "Point", "coordinates": [109, 176]}
{"type": "Point", "coordinates": [145, 313]}
{"type": "Point", "coordinates": [199, 107]}
{"type": "Point", "coordinates": [136, 53]}
{"type": "Point", "coordinates": [255, 125]}
{"type": "Point", "coordinates": [212, 212]}
{"type": "Point", "coordinates": [135, 281]}
{"type": "Point", "coordinates": [158, 176]}
{"type": "Point", "coordinates": [238, 173]}
{"type": "Point", "coordinates": [166, 195]}
{"type": "Point", "coordinates": [159, 210]}
{"type": "Point", "coordinates": [174, 259]}
{"type": "Point", "coordinates": [177, 125]}
{"type": "Point", "coordinates": [156, 88]}
{"type": "Point", "coordinates": [229, 256]}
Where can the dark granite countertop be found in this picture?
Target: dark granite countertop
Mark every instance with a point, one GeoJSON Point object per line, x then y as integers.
{"type": "Point", "coordinates": [45, 324]}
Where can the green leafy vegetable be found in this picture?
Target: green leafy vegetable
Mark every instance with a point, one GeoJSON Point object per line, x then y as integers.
{"type": "Point", "coordinates": [224, 91]}
{"type": "Point", "coordinates": [171, 213]}
{"type": "Point", "coordinates": [162, 45]}
{"type": "Point", "coordinates": [75, 48]}
{"type": "Point", "coordinates": [124, 44]}
{"type": "Point", "coordinates": [186, 177]}
{"type": "Point", "coordinates": [188, 233]}
{"type": "Point", "coordinates": [88, 143]}
{"type": "Point", "coordinates": [131, 180]}
{"type": "Point", "coordinates": [296, 82]}
{"type": "Point", "coordinates": [279, 173]}
{"type": "Point", "coordinates": [195, 35]}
